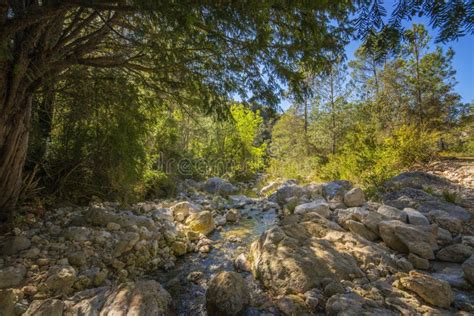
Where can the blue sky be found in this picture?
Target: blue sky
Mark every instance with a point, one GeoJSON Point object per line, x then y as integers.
{"type": "Point", "coordinates": [463, 61]}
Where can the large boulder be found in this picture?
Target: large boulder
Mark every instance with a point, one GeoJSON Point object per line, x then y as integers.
{"type": "Point", "coordinates": [319, 206]}
{"type": "Point", "coordinates": [50, 307]}
{"type": "Point", "coordinates": [392, 213]}
{"type": "Point", "coordinates": [201, 222]}
{"type": "Point", "coordinates": [299, 256]}
{"type": "Point", "coordinates": [219, 186]}
{"type": "Point", "coordinates": [419, 240]}
{"type": "Point", "coordinates": [227, 294]}
{"type": "Point", "coordinates": [454, 253]}
{"type": "Point", "coordinates": [431, 290]}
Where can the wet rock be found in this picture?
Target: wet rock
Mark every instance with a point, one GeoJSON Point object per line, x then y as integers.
{"type": "Point", "coordinates": [319, 206]}
{"type": "Point", "coordinates": [219, 186]}
{"type": "Point", "coordinates": [431, 290]}
{"type": "Point", "coordinates": [227, 294]}
{"type": "Point", "coordinates": [201, 222]}
{"type": "Point", "coordinates": [182, 210]}
{"type": "Point", "coordinates": [418, 262]}
{"type": "Point", "coordinates": [468, 269]}
{"type": "Point", "coordinates": [50, 307]}
{"type": "Point", "coordinates": [11, 276]}
{"type": "Point", "coordinates": [15, 244]}
{"type": "Point", "coordinates": [392, 213]}
{"type": "Point", "coordinates": [292, 305]}
{"type": "Point", "coordinates": [415, 217]}
{"type": "Point", "coordinates": [354, 197]}
{"type": "Point", "coordinates": [419, 240]}
{"type": "Point", "coordinates": [454, 253]}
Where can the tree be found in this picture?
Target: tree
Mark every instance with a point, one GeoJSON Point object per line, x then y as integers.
{"type": "Point", "coordinates": [209, 49]}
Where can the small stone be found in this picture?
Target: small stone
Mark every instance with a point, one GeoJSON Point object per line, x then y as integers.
{"type": "Point", "coordinates": [77, 233]}
{"type": "Point", "coordinates": [333, 288]}
{"type": "Point", "coordinates": [194, 276]}
{"type": "Point", "coordinates": [42, 261]}
{"type": "Point", "coordinates": [113, 226]}
{"type": "Point", "coordinates": [313, 298]}
{"type": "Point", "coordinates": [241, 263]}
{"type": "Point", "coordinates": [433, 291]}
{"type": "Point", "coordinates": [32, 253]}
{"type": "Point", "coordinates": [179, 248]}
{"type": "Point", "coordinates": [232, 215]}
{"type": "Point", "coordinates": [77, 258]}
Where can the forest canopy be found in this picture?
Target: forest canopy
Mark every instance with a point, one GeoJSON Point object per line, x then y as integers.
{"type": "Point", "coordinates": [97, 96]}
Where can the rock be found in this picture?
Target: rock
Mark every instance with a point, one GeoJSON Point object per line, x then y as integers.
{"type": "Point", "coordinates": [126, 243]}
{"type": "Point", "coordinates": [60, 279]}
{"type": "Point", "coordinates": [182, 210]}
{"type": "Point", "coordinates": [361, 230]}
{"type": "Point", "coordinates": [284, 193]}
{"type": "Point", "coordinates": [195, 276]}
{"type": "Point", "coordinates": [336, 189]}
{"type": "Point", "coordinates": [232, 216]}
{"type": "Point", "coordinates": [313, 298]}
{"type": "Point", "coordinates": [446, 221]}
{"type": "Point", "coordinates": [220, 220]}
{"type": "Point", "coordinates": [292, 305]}
{"type": "Point", "coordinates": [227, 294]}
{"type": "Point", "coordinates": [50, 307]}
{"type": "Point", "coordinates": [77, 258]}
{"type": "Point", "coordinates": [431, 290]}
{"type": "Point", "coordinates": [418, 262]}
{"type": "Point", "coordinates": [443, 237]}
{"type": "Point", "coordinates": [468, 269]}
{"type": "Point", "coordinates": [219, 186]}
{"type": "Point", "coordinates": [32, 253]}
{"type": "Point", "coordinates": [77, 233]}
{"type": "Point", "coordinates": [354, 304]}
{"type": "Point", "coordinates": [241, 263]}
{"type": "Point", "coordinates": [201, 222]}
{"type": "Point", "coordinates": [404, 265]}
{"type": "Point", "coordinates": [269, 188]}
{"type": "Point", "coordinates": [415, 217]}
{"type": "Point", "coordinates": [333, 288]}
{"type": "Point", "coordinates": [354, 197]}
{"type": "Point", "coordinates": [372, 221]}
{"type": "Point", "coordinates": [179, 248]}
{"type": "Point", "coordinates": [8, 299]}
{"type": "Point", "coordinates": [113, 226]}
{"type": "Point", "coordinates": [15, 244]}
{"type": "Point", "coordinates": [468, 241]}
{"type": "Point", "coordinates": [392, 213]}
{"type": "Point", "coordinates": [11, 276]}
{"type": "Point", "coordinates": [140, 298]}
{"type": "Point", "coordinates": [454, 253]}
{"type": "Point", "coordinates": [320, 207]}
{"type": "Point", "coordinates": [102, 216]}
{"type": "Point", "coordinates": [419, 240]}
{"type": "Point", "coordinates": [297, 257]}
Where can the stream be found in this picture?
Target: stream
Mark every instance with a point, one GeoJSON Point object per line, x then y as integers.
{"type": "Point", "coordinates": [232, 240]}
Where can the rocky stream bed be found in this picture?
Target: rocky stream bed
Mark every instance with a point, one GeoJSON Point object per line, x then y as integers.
{"type": "Point", "coordinates": [294, 249]}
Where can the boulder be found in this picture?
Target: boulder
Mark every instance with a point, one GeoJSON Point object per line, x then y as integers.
{"type": "Point", "coordinates": [292, 305]}
{"type": "Point", "coordinates": [431, 290]}
{"type": "Point", "coordinates": [11, 276]}
{"type": "Point", "coordinates": [126, 243]}
{"type": "Point", "coordinates": [232, 216]}
{"type": "Point", "coordinates": [227, 294]}
{"type": "Point", "coordinates": [361, 230]}
{"type": "Point", "coordinates": [354, 304]}
{"type": "Point", "coordinates": [419, 240]}
{"type": "Point", "coordinates": [336, 189]}
{"type": "Point", "coordinates": [8, 299]}
{"type": "Point", "coordinates": [468, 269]}
{"type": "Point", "coordinates": [269, 188]}
{"type": "Point", "coordinates": [182, 210]}
{"type": "Point", "coordinates": [319, 206]}
{"type": "Point", "coordinates": [354, 197]}
{"type": "Point", "coordinates": [201, 222]}
{"type": "Point", "coordinates": [296, 257]}
{"type": "Point", "coordinates": [418, 262]}
{"type": "Point", "coordinates": [446, 221]}
{"type": "Point", "coordinates": [415, 217]}
{"type": "Point", "coordinates": [179, 248]}
{"type": "Point", "coordinates": [219, 186]}
{"type": "Point", "coordinates": [443, 237]}
{"type": "Point", "coordinates": [284, 193]}
{"type": "Point", "coordinates": [392, 213]}
{"type": "Point", "coordinates": [454, 253]}
{"type": "Point", "coordinates": [15, 244]}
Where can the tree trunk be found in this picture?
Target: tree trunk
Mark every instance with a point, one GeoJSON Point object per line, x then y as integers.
{"type": "Point", "coordinates": [14, 131]}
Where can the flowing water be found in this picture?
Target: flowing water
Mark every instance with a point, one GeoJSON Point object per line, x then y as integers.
{"type": "Point", "coordinates": [233, 239]}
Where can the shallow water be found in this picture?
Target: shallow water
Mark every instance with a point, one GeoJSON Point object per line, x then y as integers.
{"type": "Point", "coordinates": [189, 297]}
